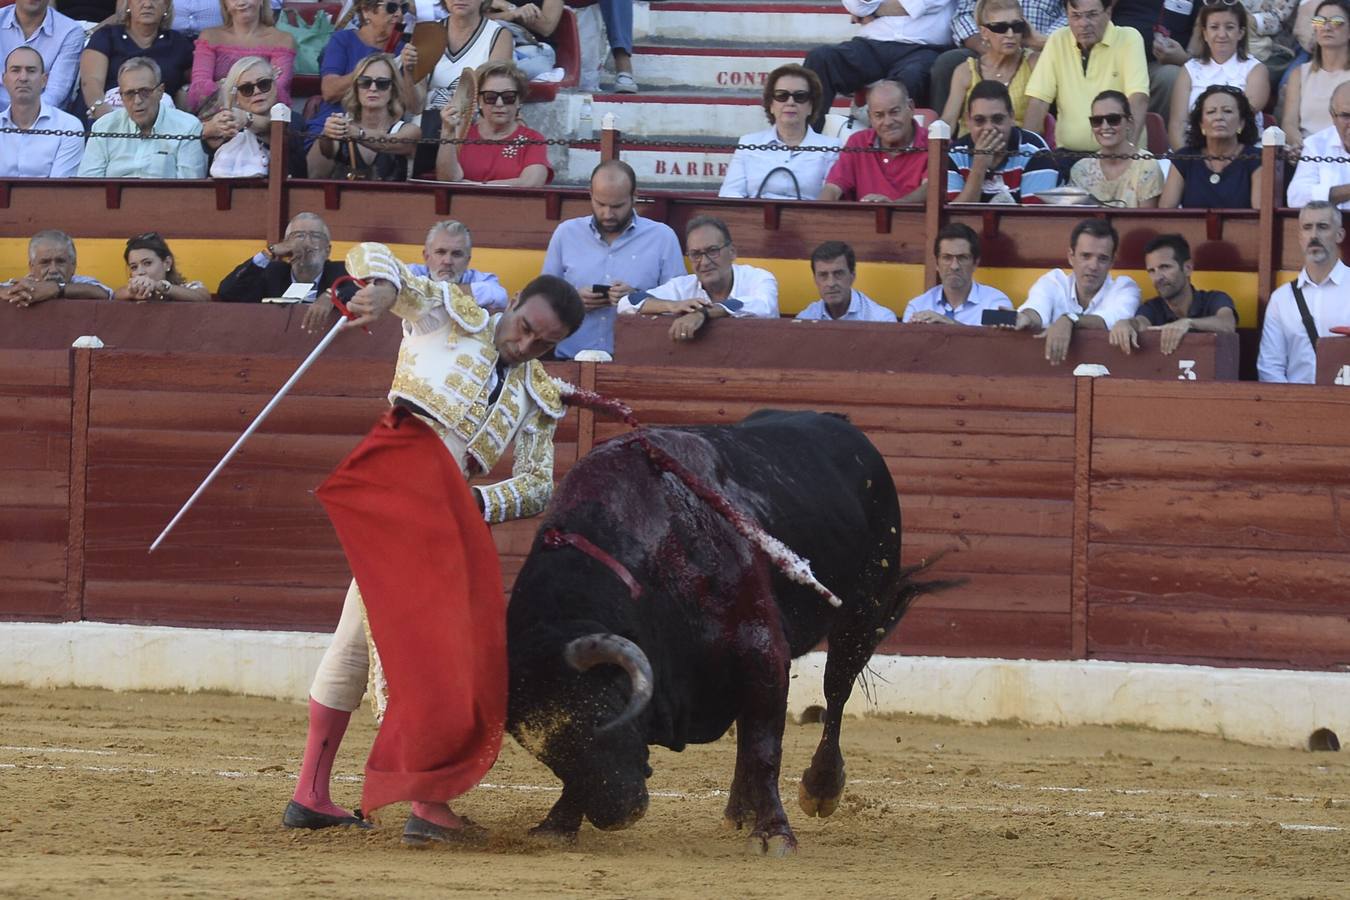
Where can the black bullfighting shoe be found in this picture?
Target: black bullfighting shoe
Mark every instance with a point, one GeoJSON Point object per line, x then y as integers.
{"type": "Point", "coordinates": [297, 816]}
{"type": "Point", "coordinates": [421, 833]}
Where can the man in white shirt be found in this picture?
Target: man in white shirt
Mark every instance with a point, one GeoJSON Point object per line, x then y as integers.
{"type": "Point", "coordinates": [1326, 180]}
{"type": "Point", "coordinates": [1087, 297]}
{"type": "Point", "coordinates": [142, 89]}
{"type": "Point", "coordinates": [1288, 351]}
{"type": "Point", "coordinates": [834, 267]}
{"type": "Point", "coordinates": [959, 299]}
{"type": "Point", "coordinates": [898, 40]}
{"type": "Point", "coordinates": [35, 155]}
{"type": "Point", "coordinates": [447, 252]}
{"type": "Point", "coordinates": [717, 289]}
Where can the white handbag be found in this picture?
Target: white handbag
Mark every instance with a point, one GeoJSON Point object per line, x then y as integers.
{"type": "Point", "coordinates": [242, 156]}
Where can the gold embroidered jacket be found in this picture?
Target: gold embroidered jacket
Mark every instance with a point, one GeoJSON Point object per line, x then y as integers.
{"type": "Point", "coordinates": [445, 366]}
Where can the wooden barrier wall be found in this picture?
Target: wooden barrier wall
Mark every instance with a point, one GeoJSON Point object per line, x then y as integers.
{"type": "Point", "coordinates": [1107, 519]}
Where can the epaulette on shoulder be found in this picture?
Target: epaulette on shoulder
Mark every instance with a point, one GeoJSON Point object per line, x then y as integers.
{"type": "Point", "coordinates": [465, 311]}
{"type": "Point", "coordinates": [545, 390]}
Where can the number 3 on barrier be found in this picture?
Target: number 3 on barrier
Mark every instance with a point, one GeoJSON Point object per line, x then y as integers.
{"type": "Point", "coordinates": [1187, 367]}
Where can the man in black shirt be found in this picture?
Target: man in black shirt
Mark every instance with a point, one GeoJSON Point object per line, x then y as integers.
{"type": "Point", "coordinates": [300, 259]}
{"type": "Point", "coordinates": [1179, 307]}
{"type": "Point", "coordinates": [1166, 26]}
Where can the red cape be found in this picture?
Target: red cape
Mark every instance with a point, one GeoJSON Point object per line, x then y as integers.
{"type": "Point", "coordinates": [428, 571]}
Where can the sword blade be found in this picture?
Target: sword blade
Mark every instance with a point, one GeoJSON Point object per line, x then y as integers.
{"type": "Point", "coordinates": [253, 426]}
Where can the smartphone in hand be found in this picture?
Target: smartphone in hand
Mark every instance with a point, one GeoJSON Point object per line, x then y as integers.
{"type": "Point", "coordinates": [999, 318]}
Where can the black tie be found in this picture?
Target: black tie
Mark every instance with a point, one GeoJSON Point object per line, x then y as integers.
{"type": "Point", "coordinates": [502, 369]}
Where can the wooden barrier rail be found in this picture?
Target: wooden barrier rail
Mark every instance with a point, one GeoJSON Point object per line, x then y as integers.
{"type": "Point", "coordinates": [1093, 518]}
{"type": "Point", "coordinates": [1260, 242]}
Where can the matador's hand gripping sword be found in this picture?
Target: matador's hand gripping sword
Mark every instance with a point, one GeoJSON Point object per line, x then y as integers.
{"type": "Point", "coordinates": [346, 285]}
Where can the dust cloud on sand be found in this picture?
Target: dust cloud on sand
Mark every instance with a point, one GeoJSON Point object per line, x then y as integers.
{"type": "Point", "coordinates": [116, 795]}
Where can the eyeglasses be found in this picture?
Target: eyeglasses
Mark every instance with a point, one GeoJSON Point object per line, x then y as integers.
{"type": "Point", "coordinates": [365, 83]}
{"type": "Point", "coordinates": [307, 236]}
{"type": "Point", "coordinates": [261, 86]}
{"type": "Point", "coordinates": [794, 96]}
{"type": "Point", "coordinates": [706, 253]}
{"type": "Point", "coordinates": [492, 98]}
{"type": "Point", "coordinates": [1221, 2]}
{"type": "Point", "coordinates": [995, 119]}
{"type": "Point", "coordinates": [135, 94]}
{"type": "Point", "coordinates": [1327, 21]}
{"type": "Point", "coordinates": [389, 8]}
{"type": "Point", "coordinates": [1112, 119]}
{"type": "Point", "coordinates": [1017, 26]}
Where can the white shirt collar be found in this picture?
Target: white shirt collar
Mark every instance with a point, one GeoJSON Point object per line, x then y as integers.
{"type": "Point", "coordinates": [1337, 276]}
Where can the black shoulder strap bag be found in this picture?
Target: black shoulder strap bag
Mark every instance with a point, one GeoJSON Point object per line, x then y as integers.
{"type": "Point", "coordinates": [1308, 322]}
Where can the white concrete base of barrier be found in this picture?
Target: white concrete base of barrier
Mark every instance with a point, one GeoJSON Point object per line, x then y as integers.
{"type": "Point", "coordinates": [1271, 707]}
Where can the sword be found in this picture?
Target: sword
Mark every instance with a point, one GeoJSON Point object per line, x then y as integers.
{"type": "Point", "coordinates": [333, 332]}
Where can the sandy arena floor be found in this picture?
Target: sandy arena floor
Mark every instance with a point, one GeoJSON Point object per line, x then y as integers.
{"type": "Point", "coordinates": [119, 795]}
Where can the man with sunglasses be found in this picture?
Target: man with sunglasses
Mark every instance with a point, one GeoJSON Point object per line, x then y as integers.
{"type": "Point", "coordinates": [1328, 179]}
{"type": "Point", "coordinates": [1079, 62]}
{"type": "Point", "coordinates": [996, 158]}
{"type": "Point", "coordinates": [178, 154]}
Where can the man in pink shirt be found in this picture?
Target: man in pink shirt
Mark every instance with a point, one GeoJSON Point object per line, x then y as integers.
{"type": "Point", "coordinates": [890, 174]}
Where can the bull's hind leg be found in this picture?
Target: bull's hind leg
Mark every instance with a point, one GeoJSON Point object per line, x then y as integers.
{"type": "Point", "coordinates": [759, 758]}
{"type": "Point", "coordinates": [852, 643]}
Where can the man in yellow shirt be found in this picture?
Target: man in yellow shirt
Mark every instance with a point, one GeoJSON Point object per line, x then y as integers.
{"type": "Point", "coordinates": [1079, 62]}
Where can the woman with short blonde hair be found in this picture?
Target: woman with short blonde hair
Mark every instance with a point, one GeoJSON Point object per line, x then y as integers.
{"type": "Point", "coordinates": [249, 30]}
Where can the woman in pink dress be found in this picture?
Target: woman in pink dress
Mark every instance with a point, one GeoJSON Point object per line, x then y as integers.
{"type": "Point", "coordinates": [248, 31]}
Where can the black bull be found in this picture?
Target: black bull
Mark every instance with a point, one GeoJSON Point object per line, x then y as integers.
{"type": "Point", "coordinates": [641, 616]}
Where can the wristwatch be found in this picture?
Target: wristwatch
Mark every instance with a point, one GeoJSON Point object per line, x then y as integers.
{"type": "Point", "coordinates": [60, 290]}
{"type": "Point", "coordinates": [89, 113]}
{"type": "Point", "coordinates": [1072, 317]}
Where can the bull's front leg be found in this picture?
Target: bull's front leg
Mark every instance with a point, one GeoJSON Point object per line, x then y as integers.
{"type": "Point", "coordinates": [759, 758]}
{"type": "Point", "coordinates": [563, 820]}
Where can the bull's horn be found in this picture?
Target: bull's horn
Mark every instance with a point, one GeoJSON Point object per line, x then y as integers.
{"type": "Point", "coordinates": [595, 649]}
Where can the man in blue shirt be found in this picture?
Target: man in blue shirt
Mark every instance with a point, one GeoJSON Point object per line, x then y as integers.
{"type": "Point", "coordinates": [447, 252]}
{"type": "Point", "coordinates": [615, 250]}
{"type": "Point", "coordinates": [834, 266]}
{"type": "Point", "coordinates": [58, 38]}
{"type": "Point", "coordinates": [959, 299]}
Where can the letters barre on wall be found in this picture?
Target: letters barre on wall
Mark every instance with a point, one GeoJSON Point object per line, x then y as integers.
{"type": "Point", "coordinates": [929, 349]}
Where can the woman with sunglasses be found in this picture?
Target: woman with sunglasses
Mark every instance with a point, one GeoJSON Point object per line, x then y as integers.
{"type": "Point", "coordinates": [1114, 178]}
{"type": "Point", "coordinates": [379, 23]}
{"type": "Point", "coordinates": [248, 30]}
{"type": "Point", "coordinates": [1223, 26]}
{"type": "Point", "coordinates": [472, 40]}
{"type": "Point", "coordinates": [1220, 166]}
{"type": "Point", "coordinates": [1307, 95]}
{"type": "Point", "coordinates": [247, 95]}
{"type": "Point", "coordinates": [360, 140]}
{"type": "Point", "coordinates": [146, 29]}
{"type": "Point", "coordinates": [1005, 59]}
{"type": "Point", "coordinates": [154, 275]}
{"type": "Point", "coordinates": [507, 160]}
{"type": "Point", "coordinates": [784, 171]}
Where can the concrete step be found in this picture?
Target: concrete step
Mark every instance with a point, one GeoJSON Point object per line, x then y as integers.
{"type": "Point", "coordinates": [706, 68]}
{"type": "Point", "coordinates": [778, 22]}
{"type": "Point", "coordinates": [664, 113]}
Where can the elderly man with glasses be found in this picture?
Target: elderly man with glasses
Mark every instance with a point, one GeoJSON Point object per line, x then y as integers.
{"type": "Point", "coordinates": [296, 269]}
{"type": "Point", "coordinates": [169, 144]}
{"type": "Point", "coordinates": [717, 289]}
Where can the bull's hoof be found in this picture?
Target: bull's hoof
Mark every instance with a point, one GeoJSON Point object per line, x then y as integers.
{"type": "Point", "coordinates": [816, 806]}
{"type": "Point", "coordinates": [774, 846]}
{"type": "Point", "coordinates": [547, 834]}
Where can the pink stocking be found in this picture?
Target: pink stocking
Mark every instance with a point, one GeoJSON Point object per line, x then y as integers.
{"type": "Point", "coordinates": [326, 728]}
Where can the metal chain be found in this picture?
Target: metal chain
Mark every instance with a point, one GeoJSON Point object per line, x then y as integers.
{"type": "Point", "coordinates": [1289, 154]}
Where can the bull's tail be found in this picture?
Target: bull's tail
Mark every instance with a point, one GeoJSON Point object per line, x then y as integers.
{"type": "Point", "coordinates": [908, 588]}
